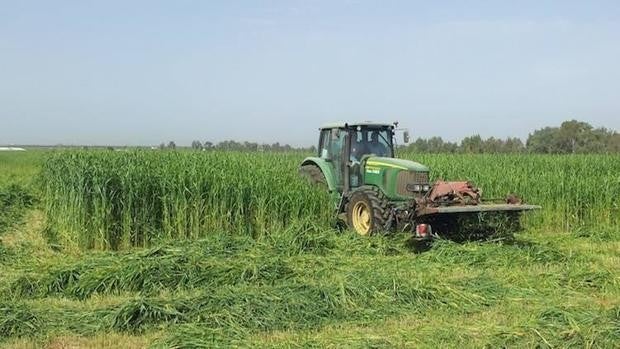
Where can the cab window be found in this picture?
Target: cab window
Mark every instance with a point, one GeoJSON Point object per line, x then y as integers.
{"type": "Point", "coordinates": [324, 144]}
{"type": "Point", "coordinates": [371, 141]}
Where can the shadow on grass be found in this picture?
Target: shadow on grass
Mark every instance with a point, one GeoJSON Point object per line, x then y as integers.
{"type": "Point", "coordinates": [418, 246]}
{"type": "Point", "coordinates": [474, 227]}
{"type": "Point", "coordinates": [498, 227]}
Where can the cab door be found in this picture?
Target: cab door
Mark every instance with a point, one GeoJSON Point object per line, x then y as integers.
{"type": "Point", "coordinates": [359, 145]}
{"type": "Point", "coordinates": [331, 148]}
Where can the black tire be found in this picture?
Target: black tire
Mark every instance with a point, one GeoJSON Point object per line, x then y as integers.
{"type": "Point", "coordinates": [373, 198]}
{"type": "Point", "coordinates": [314, 175]}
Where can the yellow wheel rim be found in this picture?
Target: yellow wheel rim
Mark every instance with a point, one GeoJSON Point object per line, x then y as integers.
{"type": "Point", "coordinates": [361, 218]}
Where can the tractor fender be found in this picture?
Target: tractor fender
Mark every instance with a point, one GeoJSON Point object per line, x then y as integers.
{"type": "Point", "coordinates": [325, 169]}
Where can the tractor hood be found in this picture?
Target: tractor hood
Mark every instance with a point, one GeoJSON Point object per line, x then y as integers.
{"type": "Point", "coordinates": [400, 164]}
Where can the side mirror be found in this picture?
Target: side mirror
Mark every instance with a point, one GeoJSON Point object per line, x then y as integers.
{"type": "Point", "coordinates": [406, 136]}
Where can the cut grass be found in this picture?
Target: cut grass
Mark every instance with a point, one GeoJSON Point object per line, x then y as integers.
{"type": "Point", "coordinates": [359, 287]}
{"type": "Point", "coordinates": [14, 199]}
{"type": "Point", "coordinates": [17, 321]}
{"type": "Point", "coordinates": [108, 340]}
{"type": "Point", "coordinates": [305, 285]}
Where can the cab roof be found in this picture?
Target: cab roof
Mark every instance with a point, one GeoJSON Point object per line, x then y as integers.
{"type": "Point", "coordinates": [354, 124]}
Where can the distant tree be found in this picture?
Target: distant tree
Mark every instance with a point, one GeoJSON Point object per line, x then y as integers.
{"type": "Point", "coordinates": [435, 145]}
{"type": "Point", "coordinates": [250, 146]}
{"type": "Point", "coordinates": [571, 137]}
{"type": "Point", "coordinates": [472, 144]}
{"type": "Point", "coordinates": [492, 145]}
{"type": "Point", "coordinates": [172, 145]}
{"type": "Point", "coordinates": [162, 146]}
{"type": "Point", "coordinates": [420, 145]}
{"type": "Point", "coordinates": [513, 145]}
{"type": "Point", "coordinates": [228, 145]}
{"type": "Point", "coordinates": [613, 143]}
{"type": "Point", "coordinates": [543, 141]}
{"type": "Point", "coordinates": [196, 145]}
{"type": "Point", "coordinates": [207, 145]}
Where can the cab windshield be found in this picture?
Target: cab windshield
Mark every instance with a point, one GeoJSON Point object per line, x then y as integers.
{"type": "Point", "coordinates": [376, 141]}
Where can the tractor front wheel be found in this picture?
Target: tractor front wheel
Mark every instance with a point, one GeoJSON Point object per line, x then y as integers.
{"type": "Point", "coordinates": [367, 211]}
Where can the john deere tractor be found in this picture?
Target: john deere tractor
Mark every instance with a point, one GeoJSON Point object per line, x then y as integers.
{"type": "Point", "coordinates": [372, 191]}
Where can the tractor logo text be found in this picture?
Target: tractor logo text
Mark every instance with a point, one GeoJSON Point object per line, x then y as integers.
{"type": "Point", "coordinates": [373, 170]}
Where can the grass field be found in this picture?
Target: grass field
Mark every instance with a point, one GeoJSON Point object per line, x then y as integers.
{"type": "Point", "coordinates": [189, 249]}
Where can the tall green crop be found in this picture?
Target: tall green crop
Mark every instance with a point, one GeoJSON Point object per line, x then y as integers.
{"type": "Point", "coordinates": [115, 200]}
{"type": "Point", "coordinates": [574, 190]}
{"type": "Point", "coordinates": [112, 200]}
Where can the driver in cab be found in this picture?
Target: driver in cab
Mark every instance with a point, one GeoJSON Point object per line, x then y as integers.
{"type": "Point", "coordinates": [375, 146]}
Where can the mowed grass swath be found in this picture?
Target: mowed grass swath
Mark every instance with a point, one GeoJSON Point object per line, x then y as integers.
{"type": "Point", "coordinates": [113, 200]}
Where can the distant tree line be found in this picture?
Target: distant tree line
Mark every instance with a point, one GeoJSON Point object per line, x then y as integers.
{"type": "Point", "coordinates": [472, 144]}
{"type": "Point", "coordinates": [240, 146]}
{"type": "Point", "coordinates": [572, 137]}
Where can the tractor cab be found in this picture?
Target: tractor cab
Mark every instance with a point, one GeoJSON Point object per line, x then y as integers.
{"type": "Point", "coordinates": [353, 155]}
{"type": "Point", "coordinates": [356, 163]}
{"type": "Point", "coordinates": [345, 146]}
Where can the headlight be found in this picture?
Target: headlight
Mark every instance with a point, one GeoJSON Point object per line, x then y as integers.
{"type": "Point", "coordinates": [426, 187]}
{"type": "Point", "coordinates": [417, 187]}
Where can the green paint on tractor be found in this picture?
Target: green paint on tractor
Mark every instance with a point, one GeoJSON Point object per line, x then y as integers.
{"type": "Point", "coordinates": [372, 190]}
{"type": "Point", "coordinates": [383, 173]}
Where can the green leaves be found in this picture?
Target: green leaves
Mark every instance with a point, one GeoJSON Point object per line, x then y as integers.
{"type": "Point", "coordinates": [17, 320]}
{"type": "Point", "coordinates": [107, 200]}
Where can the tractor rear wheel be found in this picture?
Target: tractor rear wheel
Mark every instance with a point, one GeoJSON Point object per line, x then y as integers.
{"type": "Point", "coordinates": [314, 175]}
{"type": "Point", "coordinates": [367, 211]}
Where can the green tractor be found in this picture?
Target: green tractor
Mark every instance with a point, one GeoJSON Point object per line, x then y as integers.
{"type": "Point", "coordinates": [372, 191]}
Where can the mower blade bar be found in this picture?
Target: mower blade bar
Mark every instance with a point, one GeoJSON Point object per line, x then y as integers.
{"type": "Point", "coordinates": [476, 208]}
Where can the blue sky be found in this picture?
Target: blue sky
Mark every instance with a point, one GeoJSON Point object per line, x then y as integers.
{"type": "Point", "coordinates": [143, 72]}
